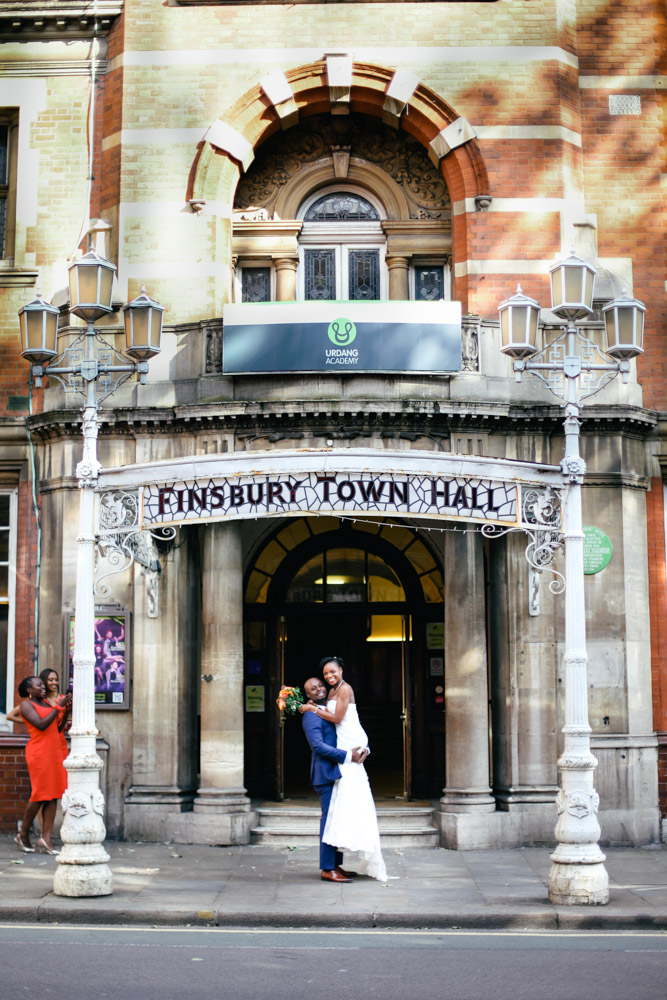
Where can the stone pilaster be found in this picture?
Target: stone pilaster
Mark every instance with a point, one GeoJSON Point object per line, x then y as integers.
{"type": "Point", "coordinates": [467, 794]}
{"type": "Point", "coordinates": [524, 665]}
{"type": "Point", "coordinates": [164, 693]}
{"type": "Point", "coordinates": [221, 812]}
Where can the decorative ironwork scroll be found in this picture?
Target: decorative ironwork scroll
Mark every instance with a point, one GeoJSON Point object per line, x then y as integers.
{"type": "Point", "coordinates": [553, 366]}
{"type": "Point", "coordinates": [541, 510]}
{"type": "Point", "coordinates": [121, 542]}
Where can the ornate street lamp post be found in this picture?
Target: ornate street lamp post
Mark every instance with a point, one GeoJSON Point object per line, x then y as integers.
{"type": "Point", "coordinates": [570, 368]}
{"type": "Point", "coordinates": [87, 367]}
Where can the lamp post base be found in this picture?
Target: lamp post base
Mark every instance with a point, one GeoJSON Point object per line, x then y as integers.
{"type": "Point", "coordinates": [83, 880]}
{"type": "Point", "coordinates": [578, 884]}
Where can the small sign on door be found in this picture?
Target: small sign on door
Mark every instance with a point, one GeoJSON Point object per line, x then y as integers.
{"type": "Point", "coordinates": [254, 698]}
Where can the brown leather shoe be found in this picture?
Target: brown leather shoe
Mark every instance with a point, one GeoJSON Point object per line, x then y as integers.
{"type": "Point", "coordinates": [335, 876]}
{"type": "Point", "coordinates": [341, 871]}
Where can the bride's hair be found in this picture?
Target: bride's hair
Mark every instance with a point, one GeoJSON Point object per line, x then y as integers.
{"type": "Point", "coordinates": [331, 659]}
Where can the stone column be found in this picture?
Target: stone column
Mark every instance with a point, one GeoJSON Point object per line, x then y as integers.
{"type": "Point", "coordinates": [524, 668]}
{"type": "Point", "coordinates": [164, 763]}
{"type": "Point", "coordinates": [467, 795]}
{"type": "Point", "coordinates": [286, 268]}
{"type": "Point", "coordinates": [221, 809]}
{"type": "Point", "coordinates": [399, 271]}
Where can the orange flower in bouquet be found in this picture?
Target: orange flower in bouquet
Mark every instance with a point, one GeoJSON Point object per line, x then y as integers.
{"type": "Point", "coordinates": [289, 699]}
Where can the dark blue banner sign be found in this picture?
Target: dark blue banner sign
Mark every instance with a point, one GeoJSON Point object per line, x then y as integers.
{"type": "Point", "coordinates": [419, 337]}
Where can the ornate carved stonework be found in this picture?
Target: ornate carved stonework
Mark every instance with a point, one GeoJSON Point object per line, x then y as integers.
{"type": "Point", "coordinates": [470, 344]}
{"type": "Point", "coordinates": [213, 332]}
{"type": "Point", "coordinates": [402, 157]}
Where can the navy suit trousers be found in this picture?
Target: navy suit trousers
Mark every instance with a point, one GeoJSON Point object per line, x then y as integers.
{"type": "Point", "coordinates": [329, 856]}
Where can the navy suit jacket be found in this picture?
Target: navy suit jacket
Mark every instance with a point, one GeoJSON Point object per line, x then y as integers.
{"type": "Point", "coordinates": [321, 735]}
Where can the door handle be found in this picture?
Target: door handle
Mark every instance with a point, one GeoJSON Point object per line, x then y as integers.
{"type": "Point", "coordinates": [404, 717]}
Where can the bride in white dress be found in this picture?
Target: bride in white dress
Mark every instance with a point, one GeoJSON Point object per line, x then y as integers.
{"type": "Point", "coordinates": [352, 821]}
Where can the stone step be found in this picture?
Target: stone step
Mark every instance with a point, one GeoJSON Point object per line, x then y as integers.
{"type": "Point", "coordinates": [307, 818]}
{"type": "Point", "coordinates": [298, 826]}
{"type": "Point", "coordinates": [389, 837]}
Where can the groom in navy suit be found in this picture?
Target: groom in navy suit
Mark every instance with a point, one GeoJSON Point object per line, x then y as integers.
{"type": "Point", "coordinates": [324, 772]}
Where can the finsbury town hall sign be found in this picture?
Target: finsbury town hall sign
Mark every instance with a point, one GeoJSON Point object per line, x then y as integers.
{"type": "Point", "coordinates": [361, 482]}
{"type": "Point", "coordinates": [262, 495]}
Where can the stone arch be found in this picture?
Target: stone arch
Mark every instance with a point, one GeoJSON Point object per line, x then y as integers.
{"type": "Point", "coordinates": [341, 86]}
{"type": "Point", "coordinates": [255, 117]}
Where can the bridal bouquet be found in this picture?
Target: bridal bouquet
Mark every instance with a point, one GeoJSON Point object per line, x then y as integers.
{"type": "Point", "coordinates": [289, 700]}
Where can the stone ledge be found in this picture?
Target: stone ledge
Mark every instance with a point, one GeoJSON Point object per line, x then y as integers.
{"type": "Point", "coordinates": [50, 19]}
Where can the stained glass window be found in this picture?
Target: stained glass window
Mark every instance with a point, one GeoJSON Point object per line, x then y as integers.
{"type": "Point", "coordinates": [364, 274]}
{"type": "Point", "coordinates": [320, 267]}
{"type": "Point", "coordinates": [256, 284]}
{"type": "Point", "coordinates": [429, 283]}
{"type": "Point", "coordinates": [341, 207]}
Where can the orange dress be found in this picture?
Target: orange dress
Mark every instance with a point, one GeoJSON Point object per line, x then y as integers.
{"type": "Point", "coordinates": [44, 757]}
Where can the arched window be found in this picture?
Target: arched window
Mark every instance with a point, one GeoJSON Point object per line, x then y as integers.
{"type": "Point", "coordinates": [341, 207]}
{"type": "Point", "coordinates": [342, 247]}
{"type": "Point", "coordinates": [328, 208]}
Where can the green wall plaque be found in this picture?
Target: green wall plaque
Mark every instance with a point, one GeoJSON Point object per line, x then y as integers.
{"type": "Point", "coordinates": [597, 549]}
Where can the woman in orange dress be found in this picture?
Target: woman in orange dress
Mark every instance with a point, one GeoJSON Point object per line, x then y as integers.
{"type": "Point", "coordinates": [44, 757]}
{"type": "Point", "coordinates": [52, 685]}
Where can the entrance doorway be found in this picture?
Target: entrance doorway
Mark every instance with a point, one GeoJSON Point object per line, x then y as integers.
{"type": "Point", "coordinates": [375, 671]}
{"type": "Point", "coordinates": [371, 594]}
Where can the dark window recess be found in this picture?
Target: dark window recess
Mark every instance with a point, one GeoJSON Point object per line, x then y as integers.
{"type": "Point", "coordinates": [364, 274]}
{"type": "Point", "coordinates": [320, 275]}
{"type": "Point", "coordinates": [337, 207]}
{"type": "Point", "coordinates": [429, 283]}
{"type": "Point", "coordinates": [256, 284]}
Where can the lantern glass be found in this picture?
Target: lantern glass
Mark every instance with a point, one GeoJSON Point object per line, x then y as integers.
{"type": "Point", "coordinates": [588, 294]}
{"type": "Point", "coordinates": [143, 327]}
{"type": "Point", "coordinates": [573, 283]}
{"type": "Point", "coordinates": [624, 324]}
{"type": "Point", "coordinates": [519, 316]}
{"type": "Point", "coordinates": [91, 286]}
{"type": "Point", "coordinates": [572, 287]}
{"type": "Point", "coordinates": [505, 326]}
{"type": "Point", "coordinates": [39, 331]}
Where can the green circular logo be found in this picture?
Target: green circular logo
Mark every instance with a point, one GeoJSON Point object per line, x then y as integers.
{"type": "Point", "coordinates": [342, 332]}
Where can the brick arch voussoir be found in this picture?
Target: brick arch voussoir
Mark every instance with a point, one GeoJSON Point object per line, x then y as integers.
{"type": "Point", "coordinates": [426, 115]}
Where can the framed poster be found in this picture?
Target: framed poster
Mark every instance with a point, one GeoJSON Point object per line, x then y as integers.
{"type": "Point", "coordinates": [112, 661]}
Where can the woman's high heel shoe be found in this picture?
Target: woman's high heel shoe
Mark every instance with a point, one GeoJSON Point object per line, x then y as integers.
{"type": "Point", "coordinates": [45, 847]}
{"type": "Point", "coordinates": [21, 846]}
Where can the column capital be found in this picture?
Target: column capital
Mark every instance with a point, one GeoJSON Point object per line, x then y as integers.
{"type": "Point", "coordinates": [397, 261]}
{"type": "Point", "coordinates": [286, 263]}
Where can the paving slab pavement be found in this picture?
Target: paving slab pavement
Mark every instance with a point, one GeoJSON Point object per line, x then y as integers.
{"type": "Point", "coordinates": [261, 886]}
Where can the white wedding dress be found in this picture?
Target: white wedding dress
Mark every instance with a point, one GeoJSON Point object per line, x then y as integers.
{"type": "Point", "coordinates": [352, 821]}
